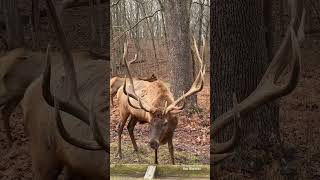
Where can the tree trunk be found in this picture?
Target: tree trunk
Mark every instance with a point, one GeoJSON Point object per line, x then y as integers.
{"type": "Point", "coordinates": [239, 58]}
{"type": "Point", "coordinates": [267, 9]}
{"type": "Point", "coordinates": [180, 65]}
{"type": "Point", "coordinates": [36, 23]}
{"type": "Point", "coordinates": [97, 24]}
{"type": "Point", "coordinates": [14, 29]}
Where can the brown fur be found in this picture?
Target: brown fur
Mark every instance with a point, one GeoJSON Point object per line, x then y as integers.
{"type": "Point", "coordinates": [50, 153]}
{"type": "Point", "coordinates": [19, 68]}
{"type": "Point", "coordinates": [117, 82]}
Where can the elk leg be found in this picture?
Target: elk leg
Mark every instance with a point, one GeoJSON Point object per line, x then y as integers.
{"type": "Point", "coordinates": [52, 175]}
{"type": "Point", "coordinates": [132, 123]}
{"type": "Point", "coordinates": [156, 156]}
{"type": "Point", "coordinates": [6, 113]}
{"type": "Point", "coordinates": [170, 147]}
{"type": "Point", "coordinates": [125, 117]}
{"type": "Point", "coordinates": [70, 175]}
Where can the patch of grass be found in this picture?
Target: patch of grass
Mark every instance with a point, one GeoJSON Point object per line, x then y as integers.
{"type": "Point", "coordinates": [145, 155]}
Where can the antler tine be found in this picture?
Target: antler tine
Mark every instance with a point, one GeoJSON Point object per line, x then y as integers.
{"type": "Point", "coordinates": [88, 145]}
{"type": "Point", "coordinates": [196, 87]}
{"type": "Point", "coordinates": [133, 94]}
{"type": "Point", "coordinates": [49, 98]}
{"type": "Point", "coordinates": [132, 105]}
{"type": "Point", "coordinates": [219, 148]}
{"type": "Point", "coordinates": [53, 101]}
{"type": "Point", "coordinates": [267, 90]}
{"type": "Point", "coordinates": [75, 106]}
{"type": "Point", "coordinates": [95, 128]}
{"type": "Point", "coordinates": [134, 59]}
{"type": "Point", "coordinates": [197, 52]}
{"type": "Point", "coordinates": [203, 47]}
{"type": "Point", "coordinates": [135, 97]}
{"type": "Point", "coordinates": [125, 51]}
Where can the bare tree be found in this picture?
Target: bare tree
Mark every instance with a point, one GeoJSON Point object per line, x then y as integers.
{"type": "Point", "coordinates": [267, 13]}
{"type": "Point", "coordinates": [180, 65]}
{"type": "Point", "coordinates": [14, 28]}
{"type": "Point", "coordinates": [238, 60]}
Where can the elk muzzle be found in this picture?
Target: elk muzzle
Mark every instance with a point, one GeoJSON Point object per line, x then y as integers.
{"type": "Point", "coordinates": [154, 144]}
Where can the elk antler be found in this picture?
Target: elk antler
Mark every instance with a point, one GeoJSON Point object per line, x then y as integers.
{"type": "Point", "coordinates": [125, 53]}
{"type": "Point", "coordinates": [221, 148]}
{"type": "Point", "coordinates": [88, 145]}
{"type": "Point", "coordinates": [75, 106]}
{"type": "Point", "coordinates": [267, 90]}
{"type": "Point", "coordinates": [196, 86]}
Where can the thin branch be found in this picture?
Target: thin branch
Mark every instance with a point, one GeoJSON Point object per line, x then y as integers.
{"type": "Point", "coordinates": [146, 17]}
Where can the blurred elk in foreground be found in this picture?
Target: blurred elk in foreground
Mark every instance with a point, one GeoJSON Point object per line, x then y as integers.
{"type": "Point", "coordinates": [72, 139]}
{"type": "Point", "coordinates": [117, 82]}
{"type": "Point", "coordinates": [153, 103]}
{"type": "Point", "coordinates": [269, 89]}
{"type": "Point", "coordinates": [18, 69]}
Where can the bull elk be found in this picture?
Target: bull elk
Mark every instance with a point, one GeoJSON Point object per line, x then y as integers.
{"type": "Point", "coordinates": [288, 55]}
{"type": "Point", "coordinates": [153, 103]}
{"type": "Point", "coordinates": [71, 139]}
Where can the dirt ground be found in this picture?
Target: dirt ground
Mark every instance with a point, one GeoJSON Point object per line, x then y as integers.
{"type": "Point", "coordinates": [299, 119]}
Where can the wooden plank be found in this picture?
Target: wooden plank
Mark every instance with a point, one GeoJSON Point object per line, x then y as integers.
{"type": "Point", "coordinates": [150, 173]}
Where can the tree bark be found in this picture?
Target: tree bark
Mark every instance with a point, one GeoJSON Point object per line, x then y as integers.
{"type": "Point", "coordinates": [97, 23]}
{"type": "Point", "coordinates": [180, 65]}
{"type": "Point", "coordinates": [239, 58]}
{"type": "Point", "coordinates": [36, 23]}
{"type": "Point", "coordinates": [267, 9]}
{"type": "Point", "coordinates": [14, 28]}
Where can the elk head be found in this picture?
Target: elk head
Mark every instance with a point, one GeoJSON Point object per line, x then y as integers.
{"type": "Point", "coordinates": [160, 117]}
{"type": "Point", "coordinates": [268, 89]}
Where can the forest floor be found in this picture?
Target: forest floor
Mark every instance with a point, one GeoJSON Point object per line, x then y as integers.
{"type": "Point", "coordinates": [299, 120]}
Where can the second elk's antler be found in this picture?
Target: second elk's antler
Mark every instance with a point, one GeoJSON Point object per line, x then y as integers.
{"type": "Point", "coordinates": [268, 89]}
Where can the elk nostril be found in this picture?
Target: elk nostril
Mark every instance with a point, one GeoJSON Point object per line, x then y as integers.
{"type": "Point", "coordinates": [154, 144]}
